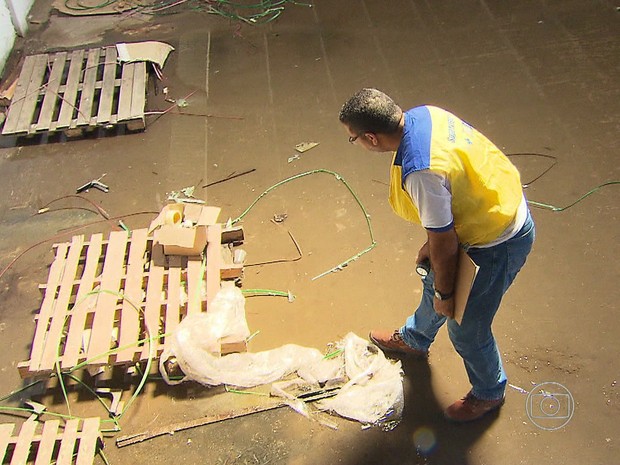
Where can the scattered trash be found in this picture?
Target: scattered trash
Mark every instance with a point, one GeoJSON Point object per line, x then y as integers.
{"type": "Point", "coordinates": [123, 441]}
{"type": "Point", "coordinates": [188, 191]}
{"type": "Point", "coordinates": [185, 195]}
{"type": "Point", "coordinates": [155, 52]}
{"type": "Point", "coordinates": [124, 226]}
{"type": "Point", "coordinates": [517, 388]}
{"type": "Point", "coordinates": [37, 409]}
{"type": "Point", "coordinates": [293, 158]}
{"type": "Point", "coordinates": [239, 256]}
{"type": "Point", "coordinates": [116, 404]}
{"type": "Point", "coordinates": [95, 183]}
{"type": "Point", "coordinates": [182, 103]}
{"type": "Point", "coordinates": [305, 146]}
{"type": "Point", "coordinates": [371, 393]}
{"type": "Point", "coordinates": [182, 229]}
{"type": "Point", "coordinates": [166, 98]}
{"type": "Point", "coordinates": [280, 217]}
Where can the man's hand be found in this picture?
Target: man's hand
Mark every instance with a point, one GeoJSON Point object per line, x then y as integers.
{"type": "Point", "coordinates": [423, 254]}
{"type": "Point", "coordinates": [444, 307]}
{"type": "Point", "coordinates": [443, 248]}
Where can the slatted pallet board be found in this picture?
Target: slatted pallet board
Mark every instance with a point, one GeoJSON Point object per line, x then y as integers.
{"type": "Point", "coordinates": [72, 91]}
{"type": "Point", "coordinates": [111, 294]}
{"type": "Point", "coordinates": [46, 443]}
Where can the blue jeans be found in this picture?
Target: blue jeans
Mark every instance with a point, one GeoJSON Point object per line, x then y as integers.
{"type": "Point", "coordinates": [473, 339]}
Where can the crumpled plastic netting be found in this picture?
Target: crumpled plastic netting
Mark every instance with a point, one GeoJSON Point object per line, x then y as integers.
{"type": "Point", "coordinates": [372, 392]}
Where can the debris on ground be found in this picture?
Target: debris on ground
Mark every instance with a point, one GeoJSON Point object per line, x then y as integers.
{"type": "Point", "coordinates": [95, 183]}
{"type": "Point", "coordinates": [153, 51]}
{"type": "Point", "coordinates": [185, 195]}
{"type": "Point", "coordinates": [305, 146]}
{"type": "Point", "coordinates": [371, 392]}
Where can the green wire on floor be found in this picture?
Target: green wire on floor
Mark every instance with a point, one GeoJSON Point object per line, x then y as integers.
{"type": "Point", "coordinates": [342, 265]}
{"type": "Point", "coordinates": [561, 209]}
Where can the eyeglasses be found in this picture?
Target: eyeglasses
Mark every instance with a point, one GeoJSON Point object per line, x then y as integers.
{"type": "Point", "coordinates": [352, 139]}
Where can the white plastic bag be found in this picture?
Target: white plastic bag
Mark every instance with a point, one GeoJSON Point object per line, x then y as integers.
{"type": "Point", "coordinates": [374, 392]}
{"type": "Point", "coordinates": [225, 319]}
{"type": "Point", "coordinates": [372, 388]}
{"type": "Point", "coordinates": [195, 344]}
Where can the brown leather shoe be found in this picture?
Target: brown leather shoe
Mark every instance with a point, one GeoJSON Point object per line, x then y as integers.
{"type": "Point", "coordinates": [470, 408]}
{"type": "Point", "coordinates": [393, 342]}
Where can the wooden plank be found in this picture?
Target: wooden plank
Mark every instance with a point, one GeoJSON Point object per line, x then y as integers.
{"type": "Point", "coordinates": [6, 430]}
{"type": "Point", "coordinates": [71, 89]}
{"type": "Point", "coordinates": [83, 304]}
{"type": "Point", "coordinates": [32, 94]}
{"type": "Point", "coordinates": [21, 90]}
{"type": "Point", "coordinates": [52, 350]}
{"type": "Point", "coordinates": [153, 296]}
{"type": "Point", "coordinates": [87, 98]}
{"type": "Point", "coordinates": [126, 91]}
{"type": "Point", "coordinates": [67, 444]}
{"type": "Point", "coordinates": [130, 316]}
{"type": "Point", "coordinates": [103, 322]}
{"type": "Point", "coordinates": [233, 271]}
{"type": "Point", "coordinates": [26, 95]}
{"type": "Point", "coordinates": [88, 441]}
{"type": "Point", "coordinates": [51, 93]}
{"type": "Point", "coordinates": [214, 260]}
{"type": "Point", "coordinates": [47, 443]}
{"type": "Point", "coordinates": [138, 98]}
{"type": "Point", "coordinates": [195, 273]}
{"type": "Point", "coordinates": [107, 91]}
{"type": "Point", "coordinates": [22, 447]}
{"type": "Point", "coordinates": [173, 302]}
{"type": "Point", "coordinates": [47, 307]}
{"type": "Point", "coordinates": [233, 234]}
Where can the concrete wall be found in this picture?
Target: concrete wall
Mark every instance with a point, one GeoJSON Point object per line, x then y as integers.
{"type": "Point", "coordinates": [13, 22]}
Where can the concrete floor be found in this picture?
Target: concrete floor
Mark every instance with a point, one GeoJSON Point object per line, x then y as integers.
{"type": "Point", "coordinates": [535, 76]}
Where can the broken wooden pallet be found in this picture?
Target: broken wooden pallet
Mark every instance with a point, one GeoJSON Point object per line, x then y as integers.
{"type": "Point", "coordinates": [76, 443]}
{"type": "Point", "coordinates": [72, 91]}
{"type": "Point", "coordinates": [103, 297]}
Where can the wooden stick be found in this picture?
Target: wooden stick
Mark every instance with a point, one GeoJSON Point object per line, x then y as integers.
{"type": "Point", "coordinates": [209, 419]}
{"type": "Point", "coordinates": [175, 427]}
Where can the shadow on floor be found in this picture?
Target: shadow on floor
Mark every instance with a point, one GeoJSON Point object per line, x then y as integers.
{"type": "Point", "coordinates": [424, 436]}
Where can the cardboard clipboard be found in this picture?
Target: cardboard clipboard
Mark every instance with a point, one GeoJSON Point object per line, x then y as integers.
{"type": "Point", "coordinates": [465, 276]}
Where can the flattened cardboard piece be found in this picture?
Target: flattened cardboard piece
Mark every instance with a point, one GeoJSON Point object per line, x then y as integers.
{"type": "Point", "coordinates": [177, 239]}
{"type": "Point", "coordinates": [465, 276]}
{"type": "Point", "coordinates": [153, 51]}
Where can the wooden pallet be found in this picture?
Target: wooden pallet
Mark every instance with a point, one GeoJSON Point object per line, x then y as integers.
{"type": "Point", "coordinates": [72, 91]}
{"type": "Point", "coordinates": [76, 443]}
{"type": "Point", "coordinates": [108, 294]}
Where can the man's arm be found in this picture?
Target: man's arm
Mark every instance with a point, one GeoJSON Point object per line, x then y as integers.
{"type": "Point", "coordinates": [443, 248]}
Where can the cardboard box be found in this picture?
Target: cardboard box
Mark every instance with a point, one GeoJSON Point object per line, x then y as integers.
{"type": "Point", "coordinates": [171, 230]}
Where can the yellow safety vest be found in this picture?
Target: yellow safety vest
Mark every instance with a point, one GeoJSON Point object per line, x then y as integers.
{"type": "Point", "coordinates": [485, 185]}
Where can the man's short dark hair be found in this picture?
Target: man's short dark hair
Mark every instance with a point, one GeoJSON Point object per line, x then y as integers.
{"type": "Point", "coordinates": [370, 110]}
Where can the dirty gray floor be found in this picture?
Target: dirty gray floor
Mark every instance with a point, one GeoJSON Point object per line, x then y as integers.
{"type": "Point", "coordinates": [536, 77]}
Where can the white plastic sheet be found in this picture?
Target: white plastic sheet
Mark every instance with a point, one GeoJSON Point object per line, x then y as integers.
{"type": "Point", "coordinates": [371, 392]}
